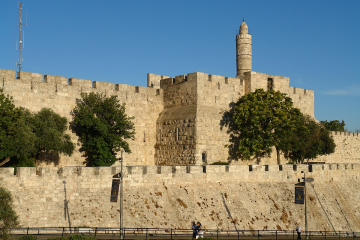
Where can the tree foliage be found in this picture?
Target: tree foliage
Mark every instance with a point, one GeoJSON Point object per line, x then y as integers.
{"type": "Point", "coordinates": [334, 125]}
{"type": "Point", "coordinates": [49, 129]}
{"type": "Point", "coordinates": [262, 120]}
{"type": "Point", "coordinates": [309, 140]}
{"type": "Point", "coordinates": [103, 127]}
{"type": "Point", "coordinates": [25, 135]}
{"type": "Point", "coordinates": [16, 136]}
{"type": "Point", "coordinates": [8, 217]}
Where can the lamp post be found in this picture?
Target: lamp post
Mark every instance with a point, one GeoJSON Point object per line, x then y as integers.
{"type": "Point", "coordinates": [121, 195]}
{"type": "Point", "coordinates": [306, 227]}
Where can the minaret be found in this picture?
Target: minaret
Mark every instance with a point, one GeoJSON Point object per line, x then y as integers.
{"type": "Point", "coordinates": [243, 51]}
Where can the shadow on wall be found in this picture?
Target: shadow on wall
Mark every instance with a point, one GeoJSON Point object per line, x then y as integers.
{"type": "Point", "coordinates": [234, 135]}
{"type": "Point", "coordinates": [48, 159]}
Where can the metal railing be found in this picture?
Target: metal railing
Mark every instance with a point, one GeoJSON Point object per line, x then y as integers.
{"type": "Point", "coordinates": [172, 233]}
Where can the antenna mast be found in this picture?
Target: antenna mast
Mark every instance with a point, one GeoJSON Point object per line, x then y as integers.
{"type": "Point", "coordinates": [18, 64]}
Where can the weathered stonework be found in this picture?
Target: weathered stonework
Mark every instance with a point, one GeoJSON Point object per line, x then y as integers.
{"type": "Point", "coordinates": [225, 197]}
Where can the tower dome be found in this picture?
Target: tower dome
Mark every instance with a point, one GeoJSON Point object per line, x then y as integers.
{"type": "Point", "coordinates": [243, 28]}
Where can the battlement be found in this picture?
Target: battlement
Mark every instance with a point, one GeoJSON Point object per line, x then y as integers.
{"type": "Point", "coordinates": [199, 77]}
{"type": "Point", "coordinates": [300, 91]}
{"type": "Point", "coordinates": [350, 134]}
{"type": "Point", "coordinates": [184, 173]}
{"type": "Point", "coordinates": [39, 82]}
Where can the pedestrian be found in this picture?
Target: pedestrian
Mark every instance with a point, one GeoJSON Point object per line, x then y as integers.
{"type": "Point", "coordinates": [200, 231]}
{"type": "Point", "coordinates": [298, 231]}
{"type": "Point", "coordinates": [194, 228]}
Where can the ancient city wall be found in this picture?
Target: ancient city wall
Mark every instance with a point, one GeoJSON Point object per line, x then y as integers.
{"type": "Point", "coordinates": [176, 123]}
{"type": "Point", "coordinates": [215, 94]}
{"type": "Point", "coordinates": [347, 148]}
{"type": "Point", "coordinates": [34, 92]}
{"type": "Point", "coordinates": [224, 197]}
{"type": "Point", "coordinates": [177, 120]}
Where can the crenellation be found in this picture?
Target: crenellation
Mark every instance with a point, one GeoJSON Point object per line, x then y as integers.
{"type": "Point", "coordinates": [25, 172]}
{"type": "Point", "coordinates": [86, 84]}
{"type": "Point", "coordinates": [103, 87]}
{"type": "Point", "coordinates": [153, 80]}
{"type": "Point", "coordinates": [6, 172]}
{"type": "Point", "coordinates": [8, 75]}
{"type": "Point", "coordinates": [51, 79]}
{"type": "Point", "coordinates": [31, 77]}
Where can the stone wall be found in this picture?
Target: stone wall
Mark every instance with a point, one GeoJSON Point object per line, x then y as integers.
{"type": "Point", "coordinates": [177, 120]}
{"type": "Point", "coordinates": [176, 123]}
{"type": "Point", "coordinates": [215, 94]}
{"type": "Point", "coordinates": [347, 148]}
{"type": "Point", "coordinates": [225, 197]}
{"type": "Point", "coordinates": [34, 92]}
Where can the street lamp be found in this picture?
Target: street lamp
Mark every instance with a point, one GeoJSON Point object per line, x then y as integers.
{"type": "Point", "coordinates": [306, 227]}
{"type": "Point", "coordinates": [121, 194]}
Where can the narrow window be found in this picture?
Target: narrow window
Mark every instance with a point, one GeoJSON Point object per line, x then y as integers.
{"type": "Point", "coordinates": [270, 84]}
{"type": "Point", "coordinates": [204, 159]}
{"type": "Point", "coordinates": [177, 134]}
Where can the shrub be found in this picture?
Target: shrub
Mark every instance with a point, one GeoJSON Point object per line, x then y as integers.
{"type": "Point", "coordinates": [220, 163]}
{"type": "Point", "coordinates": [28, 237]}
{"type": "Point", "coordinates": [8, 217]}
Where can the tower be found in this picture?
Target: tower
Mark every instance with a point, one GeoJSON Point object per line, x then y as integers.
{"type": "Point", "coordinates": [243, 51]}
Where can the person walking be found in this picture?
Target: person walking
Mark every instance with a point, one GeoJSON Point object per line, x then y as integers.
{"type": "Point", "coordinates": [194, 228]}
{"type": "Point", "coordinates": [298, 231]}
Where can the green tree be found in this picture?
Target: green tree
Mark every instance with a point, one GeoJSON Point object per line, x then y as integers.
{"type": "Point", "coordinates": [25, 135]}
{"type": "Point", "coordinates": [334, 125]}
{"type": "Point", "coordinates": [259, 121]}
{"type": "Point", "coordinates": [16, 136]}
{"type": "Point", "coordinates": [49, 129]}
{"type": "Point", "coordinates": [8, 217]}
{"type": "Point", "coordinates": [103, 127]}
{"type": "Point", "coordinates": [309, 140]}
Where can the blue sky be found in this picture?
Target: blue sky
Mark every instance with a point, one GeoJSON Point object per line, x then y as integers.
{"type": "Point", "coordinates": [315, 43]}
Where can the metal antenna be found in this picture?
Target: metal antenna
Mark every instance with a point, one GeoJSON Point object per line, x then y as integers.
{"type": "Point", "coordinates": [18, 64]}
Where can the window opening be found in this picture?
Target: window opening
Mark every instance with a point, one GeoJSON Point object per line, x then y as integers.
{"type": "Point", "coordinates": [270, 84]}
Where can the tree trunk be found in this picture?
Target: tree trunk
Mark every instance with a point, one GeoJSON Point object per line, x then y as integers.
{"type": "Point", "coordinates": [5, 161]}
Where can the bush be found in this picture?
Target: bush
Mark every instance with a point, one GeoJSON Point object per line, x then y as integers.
{"type": "Point", "coordinates": [220, 163]}
{"type": "Point", "coordinates": [28, 237]}
{"type": "Point", "coordinates": [8, 217]}
{"type": "Point", "coordinates": [80, 237]}
{"type": "Point", "coordinates": [73, 237]}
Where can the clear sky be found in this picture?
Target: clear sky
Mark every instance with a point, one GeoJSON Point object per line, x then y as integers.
{"type": "Point", "coordinates": [315, 43]}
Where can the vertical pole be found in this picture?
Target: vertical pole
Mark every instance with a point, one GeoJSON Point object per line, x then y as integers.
{"type": "Point", "coordinates": [19, 63]}
{"type": "Point", "coordinates": [121, 195]}
{"type": "Point", "coordinates": [306, 226]}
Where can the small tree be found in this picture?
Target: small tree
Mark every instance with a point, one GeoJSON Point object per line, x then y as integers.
{"type": "Point", "coordinates": [16, 136]}
{"type": "Point", "coordinates": [309, 140]}
{"type": "Point", "coordinates": [259, 121]}
{"type": "Point", "coordinates": [8, 217]}
{"type": "Point", "coordinates": [103, 127]}
{"type": "Point", "coordinates": [49, 129]}
{"type": "Point", "coordinates": [334, 125]}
